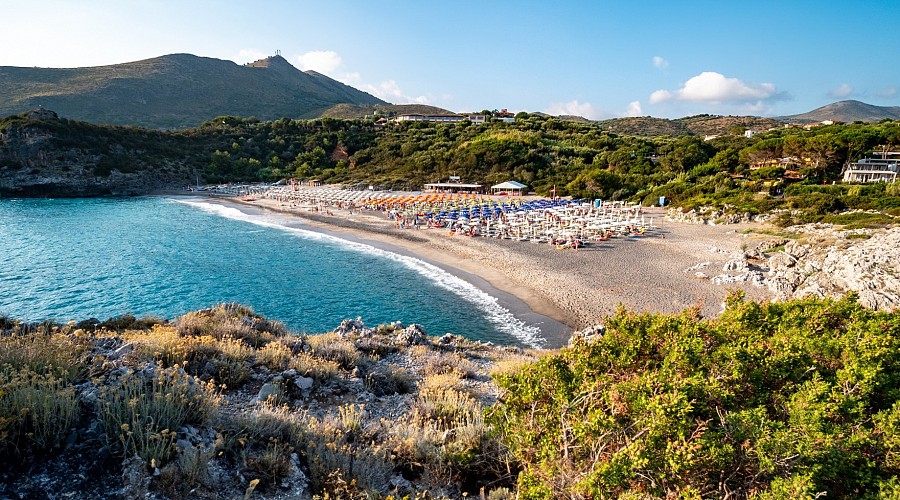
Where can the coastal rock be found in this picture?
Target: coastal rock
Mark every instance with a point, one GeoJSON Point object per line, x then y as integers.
{"type": "Point", "coordinates": [702, 265]}
{"type": "Point", "coordinates": [796, 249]}
{"type": "Point", "coordinates": [414, 334]}
{"type": "Point", "coordinates": [833, 262]}
{"type": "Point", "coordinates": [305, 384]}
{"type": "Point", "coordinates": [766, 245]}
{"type": "Point", "coordinates": [735, 265]}
{"type": "Point", "coordinates": [782, 260]}
{"type": "Point", "coordinates": [588, 335]}
{"type": "Point", "coordinates": [350, 326]}
{"type": "Point", "coordinates": [122, 351]}
{"type": "Point", "coordinates": [135, 479]}
{"type": "Point", "coordinates": [296, 484]}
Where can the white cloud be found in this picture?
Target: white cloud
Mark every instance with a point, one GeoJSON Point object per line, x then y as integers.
{"type": "Point", "coordinates": [390, 91]}
{"type": "Point", "coordinates": [842, 91]}
{"type": "Point", "coordinates": [322, 61]}
{"type": "Point", "coordinates": [634, 109]}
{"type": "Point", "coordinates": [888, 92]}
{"type": "Point", "coordinates": [249, 55]}
{"type": "Point", "coordinates": [713, 87]}
{"type": "Point", "coordinates": [576, 108]}
{"type": "Point", "coordinates": [660, 63]}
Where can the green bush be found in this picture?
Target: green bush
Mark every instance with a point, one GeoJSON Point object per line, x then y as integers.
{"type": "Point", "coordinates": [767, 399]}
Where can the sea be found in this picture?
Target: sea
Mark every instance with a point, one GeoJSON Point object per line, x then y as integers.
{"type": "Point", "coordinates": [74, 259]}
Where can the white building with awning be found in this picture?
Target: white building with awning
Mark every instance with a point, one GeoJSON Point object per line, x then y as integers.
{"type": "Point", "coordinates": [511, 187]}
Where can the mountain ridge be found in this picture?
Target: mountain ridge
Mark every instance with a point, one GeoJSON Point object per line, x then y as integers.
{"type": "Point", "coordinates": [175, 91]}
{"type": "Point", "coordinates": [846, 111]}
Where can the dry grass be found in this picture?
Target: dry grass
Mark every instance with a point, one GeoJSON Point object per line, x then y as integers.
{"type": "Point", "coordinates": [510, 364]}
{"type": "Point", "coordinates": [320, 370]}
{"type": "Point", "coordinates": [35, 410]}
{"type": "Point", "coordinates": [142, 411]}
{"type": "Point", "coordinates": [335, 348]}
{"type": "Point", "coordinates": [230, 320]}
{"type": "Point", "coordinates": [54, 353]}
{"type": "Point", "coordinates": [437, 361]}
{"type": "Point", "coordinates": [274, 355]}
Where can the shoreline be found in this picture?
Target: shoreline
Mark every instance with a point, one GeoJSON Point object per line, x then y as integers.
{"type": "Point", "coordinates": [579, 288]}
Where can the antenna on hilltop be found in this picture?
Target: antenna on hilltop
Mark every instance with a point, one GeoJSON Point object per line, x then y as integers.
{"type": "Point", "coordinates": [277, 52]}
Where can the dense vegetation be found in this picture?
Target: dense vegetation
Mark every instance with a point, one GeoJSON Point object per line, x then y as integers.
{"type": "Point", "coordinates": [792, 400]}
{"type": "Point", "coordinates": [745, 175]}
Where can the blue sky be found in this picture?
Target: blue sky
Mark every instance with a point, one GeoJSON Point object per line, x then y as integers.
{"type": "Point", "coordinates": [599, 59]}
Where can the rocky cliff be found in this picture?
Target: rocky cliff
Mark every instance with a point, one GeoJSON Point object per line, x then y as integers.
{"type": "Point", "coordinates": [44, 155]}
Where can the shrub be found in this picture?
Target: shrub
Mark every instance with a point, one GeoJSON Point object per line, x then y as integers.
{"type": "Point", "coordinates": [385, 381]}
{"type": "Point", "coordinates": [275, 355]}
{"type": "Point", "coordinates": [775, 397]}
{"type": "Point", "coordinates": [52, 354]}
{"type": "Point", "coordinates": [321, 370]}
{"type": "Point", "coordinates": [35, 410]}
{"type": "Point", "coordinates": [270, 464]}
{"type": "Point", "coordinates": [142, 411]}
{"type": "Point", "coordinates": [230, 320]}
{"type": "Point", "coordinates": [339, 457]}
{"type": "Point", "coordinates": [333, 347]}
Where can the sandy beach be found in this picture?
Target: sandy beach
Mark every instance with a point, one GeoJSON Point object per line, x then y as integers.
{"type": "Point", "coordinates": [576, 287]}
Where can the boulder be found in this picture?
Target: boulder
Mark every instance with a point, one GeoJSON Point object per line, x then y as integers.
{"type": "Point", "coordinates": [782, 260]}
{"type": "Point", "coordinates": [413, 334]}
{"type": "Point", "coordinates": [352, 326]}
{"type": "Point", "coordinates": [735, 265]}
{"type": "Point", "coordinates": [269, 391]}
{"type": "Point", "coordinates": [588, 335]}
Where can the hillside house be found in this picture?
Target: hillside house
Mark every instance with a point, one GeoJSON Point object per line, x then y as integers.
{"type": "Point", "coordinates": [787, 162]}
{"type": "Point", "coordinates": [477, 119]}
{"type": "Point", "coordinates": [873, 169]}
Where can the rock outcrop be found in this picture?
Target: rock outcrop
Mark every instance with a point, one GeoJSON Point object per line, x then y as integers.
{"type": "Point", "coordinates": [831, 263]}
{"type": "Point", "coordinates": [822, 261]}
{"type": "Point", "coordinates": [42, 155]}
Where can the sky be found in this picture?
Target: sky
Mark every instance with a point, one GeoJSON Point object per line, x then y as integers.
{"type": "Point", "coordinates": [598, 59]}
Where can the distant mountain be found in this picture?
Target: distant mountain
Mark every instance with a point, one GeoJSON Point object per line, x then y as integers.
{"type": "Point", "coordinates": [846, 111]}
{"type": "Point", "coordinates": [175, 91]}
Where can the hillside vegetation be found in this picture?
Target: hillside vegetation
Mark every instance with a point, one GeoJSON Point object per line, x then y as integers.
{"type": "Point", "coordinates": [742, 175]}
{"type": "Point", "coordinates": [699, 125]}
{"type": "Point", "coordinates": [794, 400]}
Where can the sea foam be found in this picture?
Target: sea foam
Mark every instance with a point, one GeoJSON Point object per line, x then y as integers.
{"type": "Point", "coordinates": [496, 314]}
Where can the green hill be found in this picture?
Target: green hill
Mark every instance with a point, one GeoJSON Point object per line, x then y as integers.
{"type": "Point", "coordinates": [699, 125]}
{"type": "Point", "coordinates": [175, 91]}
{"type": "Point", "coordinates": [346, 111]}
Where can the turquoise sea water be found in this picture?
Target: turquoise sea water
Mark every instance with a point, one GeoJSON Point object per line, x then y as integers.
{"type": "Point", "coordinates": [73, 259]}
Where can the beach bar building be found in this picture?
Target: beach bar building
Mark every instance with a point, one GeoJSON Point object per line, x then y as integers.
{"type": "Point", "coordinates": [511, 187]}
{"type": "Point", "coordinates": [452, 187]}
